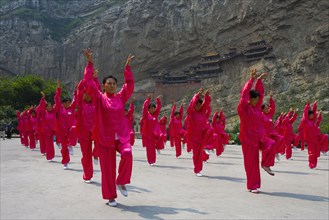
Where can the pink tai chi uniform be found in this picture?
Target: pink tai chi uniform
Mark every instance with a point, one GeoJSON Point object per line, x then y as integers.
{"type": "Point", "coordinates": [253, 137]}
{"type": "Point", "coordinates": [163, 133]}
{"type": "Point", "coordinates": [176, 129]}
{"type": "Point", "coordinates": [221, 138]}
{"type": "Point", "coordinates": [65, 129]}
{"type": "Point", "coordinates": [270, 129]}
{"type": "Point", "coordinates": [47, 129]}
{"type": "Point", "coordinates": [111, 131]}
{"type": "Point", "coordinates": [151, 130]}
{"type": "Point", "coordinates": [85, 123]}
{"type": "Point", "coordinates": [311, 135]}
{"type": "Point", "coordinates": [288, 132]}
{"type": "Point", "coordinates": [199, 130]}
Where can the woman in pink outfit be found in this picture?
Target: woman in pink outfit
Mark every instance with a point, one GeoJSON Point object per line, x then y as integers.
{"type": "Point", "coordinates": [199, 128]}
{"type": "Point", "coordinates": [47, 119]}
{"type": "Point", "coordinates": [66, 122]}
{"type": "Point", "coordinates": [85, 124]}
{"type": "Point", "coordinates": [311, 133]}
{"type": "Point", "coordinates": [151, 128]}
{"type": "Point", "coordinates": [252, 133]}
{"type": "Point", "coordinates": [111, 128]}
{"type": "Point", "coordinates": [220, 136]}
{"type": "Point", "coordinates": [163, 133]}
{"type": "Point", "coordinates": [130, 120]}
{"type": "Point", "coordinates": [176, 129]}
{"type": "Point", "coordinates": [268, 111]}
{"type": "Point", "coordinates": [288, 132]}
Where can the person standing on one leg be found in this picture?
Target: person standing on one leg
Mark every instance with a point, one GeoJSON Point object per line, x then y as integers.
{"type": "Point", "coordinates": [111, 130]}
{"type": "Point", "coordinates": [288, 131]}
{"type": "Point", "coordinates": [252, 133]}
{"type": "Point", "coordinates": [176, 128]}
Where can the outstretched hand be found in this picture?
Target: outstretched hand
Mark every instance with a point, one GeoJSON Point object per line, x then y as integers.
{"type": "Point", "coordinates": [42, 93]}
{"type": "Point", "coordinates": [263, 76]}
{"type": "Point", "coordinates": [88, 54]}
{"type": "Point", "coordinates": [200, 91]}
{"type": "Point", "coordinates": [95, 74]}
{"type": "Point", "coordinates": [159, 96]}
{"type": "Point", "coordinates": [253, 73]}
{"type": "Point", "coordinates": [129, 59]}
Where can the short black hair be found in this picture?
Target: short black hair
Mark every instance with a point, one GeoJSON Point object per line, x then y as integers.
{"type": "Point", "coordinates": [254, 94]}
{"type": "Point", "coordinates": [310, 112]}
{"type": "Point", "coordinates": [263, 106]}
{"type": "Point", "coordinates": [151, 105]}
{"type": "Point", "coordinates": [110, 77]}
{"type": "Point", "coordinates": [177, 113]}
{"type": "Point", "coordinates": [199, 101]}
{"type": "Point", "coordinates": [66, 99]}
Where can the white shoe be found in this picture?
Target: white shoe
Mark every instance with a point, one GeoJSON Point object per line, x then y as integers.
{"type": "Point", "coordinates": [256, 191]}
{"type": "Point", "coordinates": [178, 157]}
{"type": "Point", "coordinates": [123, 190]}
{"type": "Point", "coordinates": [51, 160]}
{"type": "Point", "coordinates": [95, 161]}
{"type": "Point", "coordinates": [59, 146]}
{"type": "Point", "coordinates": [152, 164]}
{"type": "Point", "coordinates": [268, 170]}
{"type": "Point", "coordinates": [277, 156]}
{"type": "Point", "coordinates": [112, 203]}
{"type": "Point", "coordinates": [65, 167]}
{"type": "Point", "coordinates": [290, 158]}
{"type": "Point", "coordinates": [159, 151]}
{"type": "Point", "coordinates": [88, 181]}
{"type": "Point", "coordinates": [198, 174]}
{"type": "Point", "coordinates": [71, 150]}
{"type": "Point", "coordinates": [207, 151]}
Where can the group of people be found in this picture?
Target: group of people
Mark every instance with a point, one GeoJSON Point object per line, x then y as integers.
{"type": "Point", "coordinates": [258, 132]}
{"type": "Point", "coordinates": [103, 126]}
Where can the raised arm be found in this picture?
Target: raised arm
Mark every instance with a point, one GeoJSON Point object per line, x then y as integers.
{"type": "Point", "coordinates": [145, 106]}
{"type": "Point", "coordinates": [129, 85]}
{"type": "Point", "coordinates": [245, 97]}
{"type": "Point", "coordinates": [57, 98]}
{"type": "Point", "coordinates": [181, 111]}
{"type": "Point", "coordinates": [173, 110]}
{"type": "Point", "coordinates": [272, 107]}
{"type": "Point", "coordinates": [213, 121]}
{"type": "Point", "coordinates": [190, 108]}
{"type": "Point", "coordinates": [318, 122]}
{"type": "Point", "coordinates": [158, 108]}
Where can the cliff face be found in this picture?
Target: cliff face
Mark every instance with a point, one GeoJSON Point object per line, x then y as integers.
{"type": "Point", "coordinates": [47, 38]}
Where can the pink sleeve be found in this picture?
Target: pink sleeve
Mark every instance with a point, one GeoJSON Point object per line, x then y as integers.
{"type": "Point", "coordinates": [74, 102]}
{"type": "Point", "coordinates": [128, 87]}
{"type": "Point", "coordinates": [158, 108]}
{"type": "Point", "coordinates": [192, 104]}
{"type": "Point", "coordinates": [259, 87]}
{"type": "Point", "coordinates": [214, 119]}
{"type": "Point", "coordinates": [145, 107]}
{"type": "Point", "coordinates": [173, 109]}
{"type": "Point", "coordinates": [91, 87]}
{"type": "Point", "coordinates": [315, 106]}
{"type": "Point", "coordinates": [181, 111]}
{"type": "Point", "coordinates": [244, 99]}
{"type": "Point", "coordinates": [293, 118]}
{"type": "Point", "coordinates": [57, 99]}
{"type": "Point", "coordinates": [130, 113]}
{"type": "Point", "coordinates": [205, 107]}
{"type": "Point", "coordinates": [272, 107]}
{"type": "Point", "coordinates": [318, 122]}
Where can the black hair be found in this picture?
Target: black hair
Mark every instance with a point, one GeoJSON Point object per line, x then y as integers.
{"type": "Point", "coordinates": [66, 99]}
{"type": "Point", "coordinates": [263, 106]}
{"type": "Point", "coordinates": [254, 94]}
{"type": "Point", "coordinates": [177, 113]}
{"type": "Point", "coordinates": [151, 105]}
{"type": "Point", "coordinates": [310, 112]}
{"type": "Point", "coordinates": [109, 77]}
{"type": "Point", "coordinates": [199, 101]}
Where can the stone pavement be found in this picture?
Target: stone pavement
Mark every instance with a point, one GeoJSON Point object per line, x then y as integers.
{"type": "Point", "coordinates": [32, 188]}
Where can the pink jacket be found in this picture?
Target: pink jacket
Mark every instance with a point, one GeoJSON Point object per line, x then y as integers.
{"type": "Point", "coordinates": [287, 122]}
{"type": "Point", "coordinates": [268, 118]}
{"type": "Point", "coordinates": [151, 127]}
{"type": "Point", "coordinates": [251, 118]}
{"type": "Point", "coordinates": [47, 119]}
{"type": "Point", "coordinates": [310, 128]}
{"type": "Point", "coordinates": [175, 124]}
{"type": "Point", "coordinates": [85, 115]}
{"type": "Point", "coordinates": [65, 116]}
{"type": "Point", "coordinates": [110, 121]}
{"type": "Point", "coordinates": [218, 126]}
{"type": "Point", "coordinates": [198, 120]}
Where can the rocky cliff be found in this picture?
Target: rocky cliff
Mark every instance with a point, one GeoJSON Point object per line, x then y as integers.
{"type": "Point", "coordinates": [46, 37]}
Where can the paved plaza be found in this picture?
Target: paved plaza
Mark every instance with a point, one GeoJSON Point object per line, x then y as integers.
{"type": "Point", "coordinates": [32, 188]}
